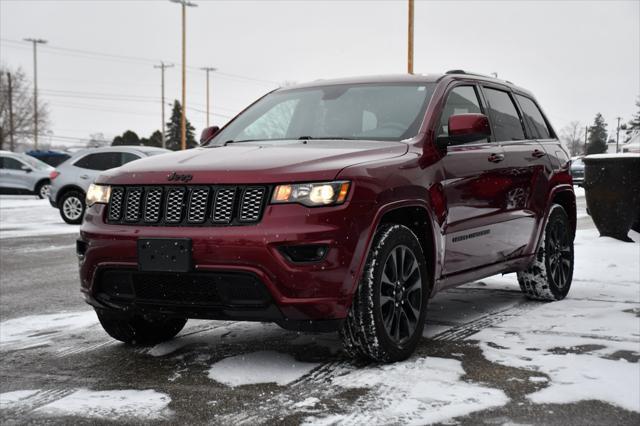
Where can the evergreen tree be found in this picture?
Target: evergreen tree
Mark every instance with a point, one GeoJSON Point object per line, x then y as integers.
{"type": "Point", "coordinates": [633, 127]}
{"type": "Point", "coordinates": [128, 138]}
{"type": "Point", "coordinates": [173, 130]}
{"type": "Point", "coordinates": [154, 140]}
{"type": "Point", "coordinates": [597, 141]}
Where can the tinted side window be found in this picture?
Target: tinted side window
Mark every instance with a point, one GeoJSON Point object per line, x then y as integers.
{"type": "Point", "coordinates": [504, 116]}
{"type": "Point", "coordinates": [461, 100]}
{"type": "Point", "coordinates": [10, 163]}
{"type": "Point", "coordinates": [100, 161]}
{"type": "Point", "coordinates": [534, 118]}
{"type": "Point", "coordinates": [128, 157]}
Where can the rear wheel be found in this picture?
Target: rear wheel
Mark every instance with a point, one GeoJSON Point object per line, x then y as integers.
{"type": "Point", "coordinates": [388, 312]}
{"type": "Point", "coordinates": [42, 190]}
{"type": "Point", "coordinates": [549, 276]}
{"type": "Point", "coordinates": [72, 207]}
{"type": "Point", "coordinates": [138, 330]}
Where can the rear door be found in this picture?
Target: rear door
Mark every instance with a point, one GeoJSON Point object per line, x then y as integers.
{"type": "Point", "coordinates": [472, 187]}
{"type": "Point", "coordinates": [90, 166]}
{"type": "Point", "coordinates": [524, 177]}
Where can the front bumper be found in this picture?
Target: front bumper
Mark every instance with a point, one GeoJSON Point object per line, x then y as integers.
{"type": "Point", "coordinates": [292, 294]}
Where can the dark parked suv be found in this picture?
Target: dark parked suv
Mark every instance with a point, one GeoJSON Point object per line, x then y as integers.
{"type": "Point", "coordinates": [336, 205]}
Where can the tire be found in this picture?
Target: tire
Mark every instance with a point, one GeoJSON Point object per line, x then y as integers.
{"type": "Point", "coordinates": [72, 207]}
{"type": "Point", "coordinates": [549, 276]}
{"type": "Point", "coordinates": [42, 189]}
{"type": "Point", "coordinates": [383, 323]}
{"type": "Point", "coordinates": [137, 330]}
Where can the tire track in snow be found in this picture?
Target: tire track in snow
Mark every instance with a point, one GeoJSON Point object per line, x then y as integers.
{"type": "Point", "coordinates": [463, 331]}
{"type": "Point", "coordinates": [40, 399]}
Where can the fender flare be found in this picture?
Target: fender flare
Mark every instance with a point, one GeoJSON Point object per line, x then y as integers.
{"type": "Point", "coordinates": [380, 213]}
{"type": "Point", "coordinates": [543, 223]}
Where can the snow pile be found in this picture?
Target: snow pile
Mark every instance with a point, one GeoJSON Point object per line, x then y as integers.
{"type": "Point", "coordinates": [419, 391]}
{"type": "Point", "coordinates": [24, 216]}
{"type": "Point", "coordinates": [110, 405]}
{"type": "Point", "coordinates": [41, 330]}
{"type": "Point", "coordinates": [589, 343]}
{"type": "Point", "coordinates": [16, 398]}
{"type": "Point", "coordinates": [259, 367]}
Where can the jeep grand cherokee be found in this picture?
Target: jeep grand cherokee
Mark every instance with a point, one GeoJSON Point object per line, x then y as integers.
{"type": "Point", "coordinates": [337, 205]}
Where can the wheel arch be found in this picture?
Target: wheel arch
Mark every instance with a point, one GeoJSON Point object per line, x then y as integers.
{"type": "Point", "coordinates": [66, 189]}
{"type": "Point", "coordinates": [417, 216]}
{"type": "Point", "coordinates": [564, 196]}
{"type": "Point", "coordinates": [40, 182]}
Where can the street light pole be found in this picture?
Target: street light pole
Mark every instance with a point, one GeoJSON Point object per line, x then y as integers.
{"type": "Point", "coordinates": [162, 67]}
{"type": "Point", "coordinates": [618, 134]}
{"type": "Point", "coordinates": [35, 42]}
{"type": "Point", "coordinates": [410, 40]}
{"type": "Point", "coordinates": [183, 118]}
{"type": "Point", "coordinates": [207, 70]}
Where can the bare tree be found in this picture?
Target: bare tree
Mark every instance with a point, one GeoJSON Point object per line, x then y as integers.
{"type": "Point", "coordinates": [22, 108]}
{"type": "Point", "coordinates": [572, 135]}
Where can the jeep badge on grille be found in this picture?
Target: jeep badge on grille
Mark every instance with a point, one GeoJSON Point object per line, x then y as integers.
{"type": "Point", "coordinates": [180, 178]}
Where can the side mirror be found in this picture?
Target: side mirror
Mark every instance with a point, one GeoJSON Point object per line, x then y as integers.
{"type": "Point", "coordinates": [208, 134]}
{"type": "Point", "coordinates": [26, 169]}
{"type": "Point", "coordinates": [465, 128]}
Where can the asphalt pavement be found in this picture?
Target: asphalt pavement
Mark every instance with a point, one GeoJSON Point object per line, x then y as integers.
{"type": "Point", "coordinates": [58, 366]}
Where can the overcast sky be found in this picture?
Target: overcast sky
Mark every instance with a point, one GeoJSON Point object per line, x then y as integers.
{"type": "Point", "coordinates": [577, 57]}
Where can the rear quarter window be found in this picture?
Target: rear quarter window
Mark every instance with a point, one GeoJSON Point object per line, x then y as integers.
{"type": "Point", "coordinates": [534, 118]}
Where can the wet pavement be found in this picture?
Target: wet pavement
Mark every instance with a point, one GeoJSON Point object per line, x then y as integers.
{"type": "Point", "coordinates": [58, 366]}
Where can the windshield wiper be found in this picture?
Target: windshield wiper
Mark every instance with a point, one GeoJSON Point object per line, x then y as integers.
{"type": "Point", "coordinates": [323, 138]}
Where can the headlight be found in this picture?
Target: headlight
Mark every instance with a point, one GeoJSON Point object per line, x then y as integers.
{"type": "Point", "coordinates": [98, 194]}
{"type": "Point", "coordinates": [312, 194]}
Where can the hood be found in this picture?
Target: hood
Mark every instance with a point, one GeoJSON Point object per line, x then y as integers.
{"type": "Point", "coordinates": [255, 162]}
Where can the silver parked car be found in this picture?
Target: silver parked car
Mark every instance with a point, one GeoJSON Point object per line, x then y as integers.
{"type": "Point", "coordinates": [71, 179]}
{"type": "Point", "coordinates": [22, 174]}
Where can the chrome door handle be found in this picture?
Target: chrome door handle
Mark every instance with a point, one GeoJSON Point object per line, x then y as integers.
{"type": "Point", "coordinates": [496, 158]}
{"type": "Point", "coordinates": [538, 154]}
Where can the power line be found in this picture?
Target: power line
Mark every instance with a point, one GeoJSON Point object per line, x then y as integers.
{"type": "Point", "coordinates": [123, 58]}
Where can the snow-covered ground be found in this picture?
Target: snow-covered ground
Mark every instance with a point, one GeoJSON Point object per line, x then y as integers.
{"type": "Point", "coordinates": [27, 215]}
{"type": "Point", "coordinates": [481, 340]}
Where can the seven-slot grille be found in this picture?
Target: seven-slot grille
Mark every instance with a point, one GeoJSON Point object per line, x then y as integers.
{"type": "Point", "coordinates": [193, 205]}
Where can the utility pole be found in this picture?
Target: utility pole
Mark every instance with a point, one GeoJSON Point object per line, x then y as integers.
{"type": "Point", "coordinates": [35, 42]}
{"type": "Point", "coordinates": [586, 131]}
{"type": "Point", "coordinates": [11, 130]}
{"type": "Point", "coordinates": [618, 134]}
{"type": "Point", "coordinates": [207, 69]}
{"type": "Point", "coordinates": [410, 40]}
{"type": "Point", "coordinates": [162, 67]}
{"type": "Point", "coordinates": [183, 118]}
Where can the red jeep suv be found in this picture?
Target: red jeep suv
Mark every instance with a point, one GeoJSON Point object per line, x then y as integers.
{"type": "Point", "coordinates": [335, 205]}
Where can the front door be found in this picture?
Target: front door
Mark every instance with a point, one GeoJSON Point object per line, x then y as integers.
{"type": "Point", "coordinates": [13, 174]}
{"type": "Point", "coordinates": [474, 187]}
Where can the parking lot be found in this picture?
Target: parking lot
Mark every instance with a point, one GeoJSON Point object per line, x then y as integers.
{"type": "Point", "coordinates": [488, 356]}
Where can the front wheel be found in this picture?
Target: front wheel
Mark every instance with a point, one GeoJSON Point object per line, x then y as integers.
{"type": "Point", "coordinates": [138, 330]}
{"type": "Point", "coordinates": [388, 312]}
{"type": "Point", "coordinates": [72, 207]}
{"type": "Point", "coordinates": [549, 276]}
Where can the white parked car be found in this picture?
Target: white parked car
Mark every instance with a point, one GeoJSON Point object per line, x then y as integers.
{"type": "Point", "coordinates": [71, 179]}
{"type": "Point", "coordinates": [22, 174]}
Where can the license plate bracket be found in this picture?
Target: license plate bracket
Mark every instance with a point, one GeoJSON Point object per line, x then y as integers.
{"type": "Point", "coordinates": [164, 254]}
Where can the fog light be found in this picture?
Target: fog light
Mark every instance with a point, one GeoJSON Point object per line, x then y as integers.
{"type": "Point", "coordinates": [305, 253]}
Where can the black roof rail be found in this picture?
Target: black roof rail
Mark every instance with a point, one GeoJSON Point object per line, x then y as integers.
{"type": "Point", "coordinates": [475, 74]}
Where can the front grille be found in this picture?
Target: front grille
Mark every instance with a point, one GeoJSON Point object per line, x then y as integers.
{"type": "Point", "coordinates": [187, 205]}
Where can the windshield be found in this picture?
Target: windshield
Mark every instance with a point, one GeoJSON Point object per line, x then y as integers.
{"type": "Point", "coordinates": [363, 111]}
{"type": "Point", "coordinates": [34, 162]}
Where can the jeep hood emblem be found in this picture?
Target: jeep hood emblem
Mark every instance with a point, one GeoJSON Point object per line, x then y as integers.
{"type": "Point", "coordinates": [179, 178]}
